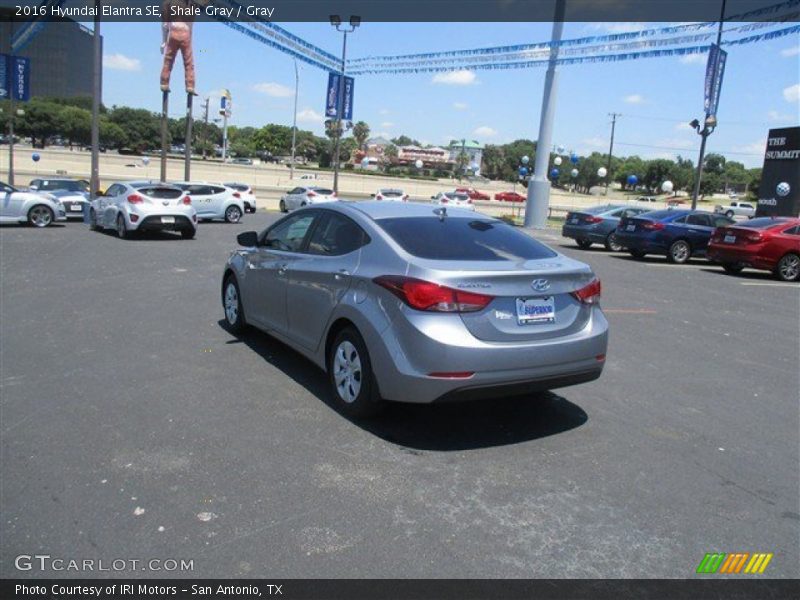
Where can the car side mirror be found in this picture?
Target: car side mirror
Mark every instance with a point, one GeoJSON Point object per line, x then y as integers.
{"type": "Point", "coordinates": [248, 239]}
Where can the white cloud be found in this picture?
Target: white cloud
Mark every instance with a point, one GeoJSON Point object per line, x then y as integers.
{"type": "Point", "coordinates": [485, 131]}
{"type": "Point", "coordinates": [463, 77]}
{"type": "Point", "coordinates": [683, 126]}
{"type": "Point", "coordinates": [276, 90]}
{"type": "Point", "coordinates": [383, 134]}
{"type": "Point", "coordinates": [309, 115]}
{"type": "Point", "coordinates": [618, 27]}
{"type": "Point", "coordinates": [693, 59]}
{"type": "Point", "coordinates": [460, 105]}
{"type": "Point", "coordinates": [387, 124]}
{"type": "Point", "coordinates": [595, 142]}
{"type": "Point", "coordinates": [755, 148]}
{"type": "Point", "coordinates": [120, 62]}
{"type": "Point", "coordinates": [383, 111]}
{"type": "Point", "coordinates": [774, 115]}
{"type": "Point", "coordinates": [792, 93]}
{"type": "Point", "coordinates": [793, 51]}
{"type": "Point", "coordinates": [634, 99]}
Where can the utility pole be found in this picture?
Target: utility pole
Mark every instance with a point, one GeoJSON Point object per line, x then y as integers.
{"type": "Point", "coordinates": [537, 204]}
{"type": "Point", "coordinates": [294, 121]}
{"type": "Point", "coordinates": [613, 116]}
{"type": "Point", "coordinates": [205, 129]}
{"type": "Point", "coordinates": [709, 125]}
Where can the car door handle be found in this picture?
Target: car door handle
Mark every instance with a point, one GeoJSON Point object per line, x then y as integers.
{"type": "Point", "coordinates": [342, 273]}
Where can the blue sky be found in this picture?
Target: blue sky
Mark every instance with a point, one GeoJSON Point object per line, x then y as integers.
{"type": "Point", "coordinates": [656, 97]}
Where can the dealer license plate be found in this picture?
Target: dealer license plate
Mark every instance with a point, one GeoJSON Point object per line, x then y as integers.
{"type": "Point", "coordinates": [167, 219]}
{"type": "Point", "coordinates": [729, 239]}
{"type": "Point", "coordinates": [573, 220]}
{"type": "Point", "coordinates": [536, 310]}
{"type": "Point", "coordinates": [630, 228]}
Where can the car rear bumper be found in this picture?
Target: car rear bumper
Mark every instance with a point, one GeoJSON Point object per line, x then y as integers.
{"type": "Point", "coordinates": [407, 356]}
{"type": "Point", "coordinates": [739, 256]}
{"type": "Point", "coordinates": [155, 223]}
{"type": "Point", "coordinates": [584, 232]}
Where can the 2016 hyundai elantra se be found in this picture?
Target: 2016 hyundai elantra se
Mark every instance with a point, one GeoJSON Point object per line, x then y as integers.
{"type": "Point", "coordinates": [416, 303]}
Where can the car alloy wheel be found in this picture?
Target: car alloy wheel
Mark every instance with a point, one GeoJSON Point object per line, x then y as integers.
{"type": "Point", "coordinates": [612, 244]}
{"type": "Point", "coordinates": [347, 372]}
{"type": "Point", "coordinates": [122, 230]}
{"type": "Point", "coordinates": [282, 206]}
{"type": "Point", "coordinates": [40, 216]}
{"type": "Point", "coordinates": [93, 220]}
{"type": "Point", "coordinates": [789, 267]}
{"type": "Point", "coordinates": [583, 244]}
{"type": "Point", "coordinates": [729, 214]}
{"type": "Point", "coordinates": [233, 214]}
{"type": "Point", "coordinates": [679, 252]}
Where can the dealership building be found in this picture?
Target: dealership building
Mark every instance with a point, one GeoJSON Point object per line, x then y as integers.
{"type": "Point", "coordinates": [60, 53]}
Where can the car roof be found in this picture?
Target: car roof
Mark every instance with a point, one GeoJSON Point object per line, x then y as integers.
{"type": "Point", "coordinates": [391, 210]}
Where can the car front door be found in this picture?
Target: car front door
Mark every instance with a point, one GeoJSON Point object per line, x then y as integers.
{"type": "Point", "coordinates": [264, 285]}
{"type": "Point", "coordinates": [699, 228]}
{"type": "Point", "coordinates": [202, 200]}
{"type": "Point", "coordinates": [216, 200]}
{"type": "Point", "coordinates": [108, 204]}
{"type": "Point", "coordinates": [318, 280]}
{"type": "Point", "coordinates": [9, 204]}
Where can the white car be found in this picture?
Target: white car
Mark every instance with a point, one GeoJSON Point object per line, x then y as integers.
{"type": "Point", "coordinates": [456, 199]}
{"type": "Point", "coordinates": [391, 194]}
{"type": "Point", "coordinates": [143, 206]}
{"type": "Point", "coordinates": [304, 196]}
{"type": "Point", "coordinates": [247, 194]}
{"type": "Point", "coordinates": [744, 209]}
{"type": "Point", "coordinates": [73, 193]}
{"type": "Point", "coordinates": [214, 200]}
{"type": "Point", "coordinates": [39, 210]}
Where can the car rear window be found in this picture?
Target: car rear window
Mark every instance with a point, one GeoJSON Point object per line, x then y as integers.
{"type": "Point", "coordinates": [658, 214]}
{"type": "Point", "coordinates": [462, 239]}
{"type": "Point", "coordinates": [393, 193]}
{"type": "Point", "coordinates": [237, 186]}
{"type": "Point", "coordinates": [322, 191]}
{"type": "Point", "coordinates": [161, 193]}
{"type": "Point", "coordinates": [596, 210]}
{"type": "Point", "coordinates": [761, 223]}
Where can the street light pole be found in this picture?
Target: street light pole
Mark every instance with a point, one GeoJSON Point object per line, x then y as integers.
{"type": "Point", "coordinates": [336, 21]}
{"type": "Point", "coordinates": [294, 120]}
{"type": "Point", "coordinates": [611, 148]}
{"type": "Point", "coordinates": [709, 125]}
{"type": "Point", "coordinates": [97, 90]}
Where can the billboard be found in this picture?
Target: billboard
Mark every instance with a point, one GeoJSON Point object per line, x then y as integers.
{"type": "Point", "coordinates": [779, 192]}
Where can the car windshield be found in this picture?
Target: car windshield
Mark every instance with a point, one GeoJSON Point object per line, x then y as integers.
{"type": "Point", "coordinates": [455, 196]}
{"type": "Point", "coordinates": [391, 193]}
{"type": "Point", "coordinates": [462, 239]}
{"type": "Point", "coordinates": [322, 191]}
{"type": "Point", "coordinates": [67, 185]}
{"type": "Point", "coordinates": [761, 223]}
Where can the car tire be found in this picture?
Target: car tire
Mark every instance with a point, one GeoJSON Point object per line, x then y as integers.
{"type": "Point", "coordinates": [729, 214]}
{"type": "Point", "coordinates": [233, 214]}
{"type": "Point", "coordinates": [282, 206]}
{"type": "Point", "coordinates": [612, 244]}
{"type": "Point", "coordinates": [788, 268]}
{"type": "Point", "coordinates": [679, 252]}
{"type": "Point", "coordinates": [350, 376]}
{"type": "Point", "coordinates": [232, 305]}
{"type": "Point", "coordinates": [122, 228]}
{"type": "Point", "coordinates": [188, 234]}
{"type": "Point", "coordinates": [732, 268]}
{"type": "Point", "coordinates": [637, 254]}
{"type": "Point", "coordinates": [583, 244]}
{"type": "Point", "coordinates": [93, 221]}
{"type": "Point", "coordinates": [40, 216]}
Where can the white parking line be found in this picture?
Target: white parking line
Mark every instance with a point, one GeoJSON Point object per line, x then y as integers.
{"type": "Point", "coordinates": [789, 285]}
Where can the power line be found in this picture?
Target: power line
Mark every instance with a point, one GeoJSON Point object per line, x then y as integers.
{"type": "Point", "coordinates": [682, 119]}
{"type": "Point", "coordinates": [687, 149]}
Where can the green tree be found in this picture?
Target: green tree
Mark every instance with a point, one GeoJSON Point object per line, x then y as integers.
{"type": "Point", "coordinates": [111, 134]}
{"type": "Point", "coordinates": [40, 122]}
{"type": "Point", "coordinates": [275, 139]}
{"type": "Point", "coordinates": [404, 140]}
{"type": "Point", "coordinates": [142, 128]}
{"type": "Point", "coordinates": [75, 124]}
{"type": "Point", "coordinates": [657, 172]}
{"type": "Point", "coordinates": [361, 134]}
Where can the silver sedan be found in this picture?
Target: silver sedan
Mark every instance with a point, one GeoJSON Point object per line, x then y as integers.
{"type": "Point", "coordinates": [37, 209]}
{"type": "Point", "coordinates": [417, 303]}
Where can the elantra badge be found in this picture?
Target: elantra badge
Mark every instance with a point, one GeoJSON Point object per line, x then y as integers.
{"type": "Point", "coordinates": [540, 285]}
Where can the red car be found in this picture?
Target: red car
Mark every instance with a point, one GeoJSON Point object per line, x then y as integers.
{"type": "Point", "coordinates": [765, 243]}
{"type": "Point", "coordinates": [473, 193]}
{"type": "Point", "coordinates": [510, 197]}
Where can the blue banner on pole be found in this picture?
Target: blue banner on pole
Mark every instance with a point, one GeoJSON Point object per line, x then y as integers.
{"type": "Point", "coordinates": [332, 95]}
{"type": "Point", "coordinates": [20, 78]}
{"type": "Point", "coordinates": [715, 69]}
{"type": "Point", "coordinates": [347, 108]}
{"type": "Point", "coordinates": [5, 61]}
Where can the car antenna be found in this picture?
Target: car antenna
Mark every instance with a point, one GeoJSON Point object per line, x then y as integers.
{"type": "Point", "coordinates": [441, 212]}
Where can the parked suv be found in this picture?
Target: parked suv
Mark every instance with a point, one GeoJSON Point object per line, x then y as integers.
{"type": "Point", "coordinates": [214, 201]}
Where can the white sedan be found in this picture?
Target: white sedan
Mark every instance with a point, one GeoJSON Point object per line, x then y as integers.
{"type": "Point", "coordinates": [456, 199]}
{"type": "Point", "coordinates": [304, 196]}
{"type": "Point", "coordinates": [143, 206]}
{"type": "Point", "coordinates": [391, 194]}
{"type": "Point", "coordinates": [37, 209]}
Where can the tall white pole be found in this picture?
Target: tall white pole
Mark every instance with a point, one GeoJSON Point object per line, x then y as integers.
{"type": "Point", "coordinates": [225, 135]}
{"type": "Point", "coordinates": [538, 203]}
{"type": "Point", "coordinates": [294, 120]}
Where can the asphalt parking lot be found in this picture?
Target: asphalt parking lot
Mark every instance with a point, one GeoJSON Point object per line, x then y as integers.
{"type": "Point", "coordinates": [135, 426]}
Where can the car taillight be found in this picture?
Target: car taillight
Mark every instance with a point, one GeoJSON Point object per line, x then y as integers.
{"type": "Point", "coordinates": [428, 296]}
{"type": "Point", "coordinates": [590, 293]}
{"type": "Point", "coordinates": [653, 226]}
{"type": "Point", "coordinates": [187, 200]}
{"type": "Point", "coordinates": [135, 199]}
{"type": "Point", "coordinates": [753, 237]}
{"type": "Point", "coordinates": [378, 197]}
{"type": "Point", "coordinates": [311, 194]}
{"type": "Point", "coordinates": [405, 198]}
{"type": "Point", "coordinates": [594, 219]}
{"type": "Point", "coordinates": [237, 195]}
{"type": "Point", "coordinates": [444, 200]}
{"type": "Point", "coordinates": [334, 194]}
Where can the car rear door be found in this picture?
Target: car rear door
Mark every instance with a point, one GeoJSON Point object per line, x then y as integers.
{"type": "Point", "coordinates": [264, 284]}
{"type": "Point", "coordinates": [217, 200]}
{"type": "Point", "coordinates": [319, 278]}
{"type": "Point", "coordinates": [699, 228]}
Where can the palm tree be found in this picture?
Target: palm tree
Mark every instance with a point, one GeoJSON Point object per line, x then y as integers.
{"type": "Point", "coordinates": [361, 133]}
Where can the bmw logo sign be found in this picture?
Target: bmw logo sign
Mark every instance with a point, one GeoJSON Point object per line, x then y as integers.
{"type": "Point", "coordinates": [540, 285]}
{"type": "Point", "coordinates": [783, 189]}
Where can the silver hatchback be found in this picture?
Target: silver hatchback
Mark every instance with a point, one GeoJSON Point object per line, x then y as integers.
{"type": "Point", "coordinates": [416, 303]}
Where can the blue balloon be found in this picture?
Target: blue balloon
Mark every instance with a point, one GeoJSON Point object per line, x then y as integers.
{"type": "Point", "coordinates": [554, 174]}
{"type": "Point", "coordinates": [523, 171]}
{"type": "Point", "coordinates": [574, 159]}
{"type": "Point", "coordinates": [633, 180]}
{"type": "Point", "coordinates": [35, 156]}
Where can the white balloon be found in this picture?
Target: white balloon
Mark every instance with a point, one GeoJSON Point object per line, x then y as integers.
{"type": "Point", "coordinates": [574, 172]}
{"type": "Point", "coordinates": [526, 159]}
{"type": "Point", "coordinates": [667, 186]}
{"type": "Point", "coordinates": [557, 160]}
{"type": "Point", "coordinates": [418, 164]}
{"type": "Point", "coordinates": [145, 160]}
{"type": "Point", "coordinates": [601, 172]}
